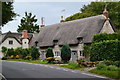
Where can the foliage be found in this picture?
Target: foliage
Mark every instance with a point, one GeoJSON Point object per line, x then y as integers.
{"type": "Point", "coordinates": [18, 51]}
{"type": "Point", "coordinates": [28, 23]}
{"type": "Point", "coordinates": [25, 52]}
{"type": "Point", "coordinates": [104, 36]}
{"type": "Point", "coordinates": [49, 52]}
{"type": "Point", "coordinates": [50, 59]}
{"type": "Point", "coordinates": [10, 52]}
{"type": "Point", "coordinates": [101, 67]}
{"type": "Point", "coordinates": [106, 50]}
{"type": "Point", "coordinates": [112, 68]}
{"type": "Point", "coordinates": [116, 63]}
{"type": "Point", "coordinates": [96, 8]}
{"type": "Point", "coordinates": [65, 53]}
{"type": "Point", "coordinates": [35, 53]}
{"type": "Point", "coordinates": [28, 58]}
{"type": "Point", "coordinates": [111, 74]}
{"type": "Point", "coordinates": [79, 16]}
{"type": "Point", "coordinates": [4, 50]}
{"type": "Point", "coordinates": [71, 65]}
{"type": "Point", "coordinates": [7, 12]}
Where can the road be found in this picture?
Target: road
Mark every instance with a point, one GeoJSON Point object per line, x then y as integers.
{"type": "Point", "coordinates": [11, 69]}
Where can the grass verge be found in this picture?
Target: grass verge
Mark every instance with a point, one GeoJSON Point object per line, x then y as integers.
{"type": "Point", "coordinates": [107, 73]}
{"type": "Point", "coordinates": [74, 66]}
{"type": "Point", "coordinates": [29, 61]}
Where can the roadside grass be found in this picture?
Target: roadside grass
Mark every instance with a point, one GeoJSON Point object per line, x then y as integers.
{"type": "Point", "coordinates": [29, 61]}
{"type": "Point", "coordinates": [73, 66]}
{"type": "Point", "coordinates": [107, 73]}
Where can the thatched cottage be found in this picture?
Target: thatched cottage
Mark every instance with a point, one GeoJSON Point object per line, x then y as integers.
{"type": "Point", "coordinates": [75, 33]}
{"type": "Point", "coordinates": [15, 40]}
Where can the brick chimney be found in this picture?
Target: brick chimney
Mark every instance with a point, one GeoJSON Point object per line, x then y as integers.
{"type": "Point", "coordinates": [105, 12]}
{"type": "Point", "coordinates": [62, 19]}
{"type": "Point", "coordinates": [24, 34]}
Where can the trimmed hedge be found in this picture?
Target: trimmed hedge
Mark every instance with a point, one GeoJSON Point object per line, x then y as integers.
{"type": "Point", "coordinates": [106, 50]}
{"type": "Point", "coordinates": [104, 36]}
{"type": "Point", "coordinates": [49, 52]}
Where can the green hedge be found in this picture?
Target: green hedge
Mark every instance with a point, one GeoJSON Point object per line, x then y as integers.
{"type": "Point", "coordinates": [104, 36]}
{"type": "Point", "coordinates": [106, 50]}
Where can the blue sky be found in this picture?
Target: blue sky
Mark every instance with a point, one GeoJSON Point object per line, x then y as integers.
{"type": "Point", "coordinates": [50, 10]}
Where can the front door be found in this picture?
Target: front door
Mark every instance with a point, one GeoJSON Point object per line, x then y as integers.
{"type": "Point", "coordinates": [74, 56]}
{"type": "Point", "coordinates": [43, 55]}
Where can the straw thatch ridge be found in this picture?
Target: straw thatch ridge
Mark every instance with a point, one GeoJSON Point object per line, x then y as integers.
{"type": "Point", "coordinates": [69, 32]}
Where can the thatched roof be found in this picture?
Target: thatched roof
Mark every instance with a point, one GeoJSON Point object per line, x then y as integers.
{"type": "Point", "coordinates": [17, 36]}
{"type": "Point", "coordinates": [69, 32]}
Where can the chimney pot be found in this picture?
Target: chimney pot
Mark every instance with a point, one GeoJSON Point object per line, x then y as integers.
{"type": "Point", "coordinates": [24, 34]}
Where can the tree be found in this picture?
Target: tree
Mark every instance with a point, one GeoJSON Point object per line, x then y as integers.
{"type": "Point", "coordinates": [35, 53]}
{"type": "Point", "coordinates": [4, 50]}
{"type": "Point", "coordinates": [96, 8]}
{"type": "Point", "coordinates": [10, 52]}
{"type": "Point", "coordinates": [49, 52]}
{"type": "Point", "coordinates": [65, 53]}
{"type": "Point", "coordinates": [28, 23]}
{"type": "Point", "coordinates": [7, 12]}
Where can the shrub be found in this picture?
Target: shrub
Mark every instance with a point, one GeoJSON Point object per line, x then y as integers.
{"type": "Point", "coordinates": [24, 53]}
{"type": "Point", "coordinates": [65, 53]}
{"type": "Point", "coordinates": [106, 50]}
{"type": "Point", "coordinates": [4, 50]}
{"type": "Point", "coordinates": [116, 63]}
{"type": "Point", "coordinates": [35, 53]}
{"type": "Point", "coordinates": [10, 52]}
{"type": "Point", "coordinates": [104, 36]}
{"type": "Point", "coordinates": [112, 68]}
{"type": "Point", "coordinates": [17, 56]}
{"type": "Point", "coordinates": [50, 59]}
{"type": "Point", "coordinates": [49, 52]}
{"type": "Point", "coordinates": [28, 58]}
{"type": "Point", "coordinates": [101, 66]}
{"type": "Point", "coordinates": [18, 51]}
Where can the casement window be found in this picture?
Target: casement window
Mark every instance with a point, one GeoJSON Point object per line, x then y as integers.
{"type": "Point", "coordinates": [10, 42]}
{"type": "Point", "coordinates": [57, 53]}
{"type": "Point", "coordinates": [81, 53]}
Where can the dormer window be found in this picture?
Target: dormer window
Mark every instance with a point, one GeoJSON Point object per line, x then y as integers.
{"type": "Point", "coordinates": [80, 40]}
{"type": "Point", "coordinates": [55, 42]}
{"type": "Point", "coordinates": [10, 42]}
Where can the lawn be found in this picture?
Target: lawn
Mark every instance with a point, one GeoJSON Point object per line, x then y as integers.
{"type": "Point", "coordinates": [29, 61]}
{"type": "Point", "coordinates": [107, 73]}
{"type": "Point", "coordinates": [73, 66]}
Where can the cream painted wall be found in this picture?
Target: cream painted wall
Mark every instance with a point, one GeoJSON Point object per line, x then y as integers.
{"type": "Point", "coordinates": [14, 45]}
{"type": "Point", "coordinates": [25, 43]}
{"type": "Point", "coordinates": [107, 28]}
{"type": "Point", "coordinates": [77, 48]}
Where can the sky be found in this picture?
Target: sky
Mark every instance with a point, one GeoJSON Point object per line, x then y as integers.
{"type": "Point", "coordinates": [51, 11]}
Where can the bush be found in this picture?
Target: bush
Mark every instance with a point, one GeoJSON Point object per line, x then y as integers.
{"type": "Point", "coordinates": [65, 53]}
{"type": "Point", "coordinates": [101, 67]}
{"type": "Point", "coordinates": [4, 50]}
{"type": "Point", "coordinates": [28, 58]}
{"type": "Point", "coordinates": [104, 36]}
{"type": "Point", "coordinates": [116, 63]}
{"type": "Point", "coordinates": [24, 53]}
{"type": "Point", "coordinates": [10, 52]}
{"type": "Point", "coordinates": [50, 59]}
{"type": "Point", "coordinates": [106, 50]}
{"type": "Point", "coordinates": [49, 52]}
{"type": "Point", "coordinates": [112, 68]}
{"type": "Point", "coordinates": [4, 58]}
{"type": "Point", "coordinates": [35, 53]}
